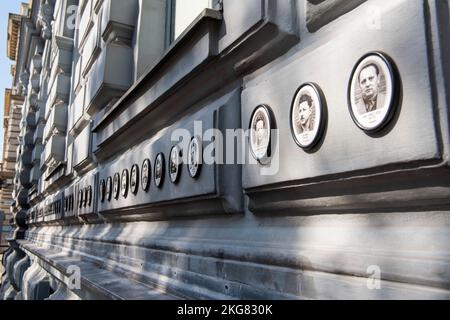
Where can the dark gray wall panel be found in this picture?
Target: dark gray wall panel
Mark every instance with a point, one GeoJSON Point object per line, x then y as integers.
{"type": "Point", "coordinates": [239, 17]}
{"type": "Point", "coordinates": [217, 185]}
{"type": "Point", "coordinates": [321, 12]}
{"type": "Point", "coordinates": [329, 64]}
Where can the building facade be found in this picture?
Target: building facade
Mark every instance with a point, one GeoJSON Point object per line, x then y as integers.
{"type": "Point", "coordinates": [11, 130]}
{"type": "Point", "coordinates": [12, 118]}
{"type": "Point", "coordinates": [313, 135]}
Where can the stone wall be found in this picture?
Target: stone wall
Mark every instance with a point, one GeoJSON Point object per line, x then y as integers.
{"type": "Point", "coordinates": [362, 214]}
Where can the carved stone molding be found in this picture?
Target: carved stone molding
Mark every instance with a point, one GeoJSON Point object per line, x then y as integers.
{"type": "Point", "coordinates": [24, 79]}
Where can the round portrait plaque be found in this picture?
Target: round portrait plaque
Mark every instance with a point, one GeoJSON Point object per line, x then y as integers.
{"type": "Point", "coordinates": [80, 199]}
{"type": "Point", "coordinates": [89, 196]}
{"type": "Point", "coordinates": [175, 162]}
{"type": "Point", "coordinates": [109, 188]}
{"type": "Point", "coordinates": [373, 92]}
{"type": "Point", "coordinates": [308, 116]}
{"type": "Point", "coordinates": [102, 190]}
{"type": "Point", "coordinates": [71, 202]}
{"type": "Point", "coordinates": [85, 197]}
{"type": "Point", "coordinates": [116, 186]}
{"type": "Point", "coordinates": [159, 170]}
{"type": "Point", "coordinates": [194, 157]}
{"type": "Point", "coordinates": [125, 181]}
{"type": "Point", "coordinates": [134, 179]}
{"type": "Point", "coordinates": [146, 174]}
{"type": "Point", "coordinates": [261, 124]}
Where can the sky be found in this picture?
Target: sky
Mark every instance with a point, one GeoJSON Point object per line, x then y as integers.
{"type": "Point", "coordinates": [6, 6]}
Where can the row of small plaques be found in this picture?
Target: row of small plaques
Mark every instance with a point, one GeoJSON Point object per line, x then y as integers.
{"type": "Point", "coordinates": [56, 207]}
{"type": "Point", "coordinates": [85, 197]}
{"type": "Point", "coordinates": [373, 98]}
{"type": "Point", "coordinates": [109, 188]}
{"type": "Point", "coordinates": [84, 200]}
{"type": "Point", "coordinates": [68, 203]}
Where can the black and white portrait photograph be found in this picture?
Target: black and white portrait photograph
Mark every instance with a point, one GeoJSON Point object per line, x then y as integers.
{"type": "Point", "coordinates": [134, 179]}
{"type": "Point", "coordinates": [80, 198]}
{"type": "Point", "coordinates": [89, 196]}
{"type": "Point", "coordinates": [146, 174]}
{"type": "Point", "coordinates": [175, 164]}
{"type": "Point", "coordinates": [159, 170]}
{"type": "Point", "coordinates": [116, 186]}
{"type": "Point", "coordinates": [307, 116]}
{"type": "Point", "coordinates": [102, 190]}
{"type": "Point", "coordinates": [109, 188]}
{"type": "Point", "coordinates": [372, 92]}
{"type": "Point", "coordinates": [260, 132]}
{"type": "Point", "coordinates": [194, 157]}
{"type": "Point", "coordinates": [125, 180]}
{"type": "Point", "coordinates": [85, 197]}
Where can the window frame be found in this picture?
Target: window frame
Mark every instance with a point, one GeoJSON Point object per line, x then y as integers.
{"type": "Point", "coordinates": [171, 18]}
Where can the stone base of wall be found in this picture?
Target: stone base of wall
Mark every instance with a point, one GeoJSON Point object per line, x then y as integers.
{"type": "Point", "coordinates": [373, 256]}
{"type": "Point", "coordinates": [1, 266]}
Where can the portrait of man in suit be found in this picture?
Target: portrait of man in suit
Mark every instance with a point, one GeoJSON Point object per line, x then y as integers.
{"type": "Point", "coordinates": [372, 91]}
{"type": "Point", "coordinates": [159, 170]}
{"type": "Point", "coordinates": [260, 133]}
{"type": "Point", "coordinates": [194, 157]}
{"type": "Point", "coordinates": [145, 176]}
{"type": "Point", "coordinates": [372, 97]}
{"type": "Point", "coordinates": [306, 115]}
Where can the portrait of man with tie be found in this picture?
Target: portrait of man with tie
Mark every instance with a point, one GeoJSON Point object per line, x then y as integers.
{"type": "Point", "coordinates": [373, 91]}
{"type": "Point", "coordinates": [308, 115]}
{"type": "Point", "coordinates": [372, 97]}
{"type": "Point", "coordinates": [260, 132]}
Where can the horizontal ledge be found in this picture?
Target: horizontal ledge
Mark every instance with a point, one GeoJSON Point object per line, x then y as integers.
{"type": "Point", "coordinates": [94, 279]}
{"type": "Point", "coordinates": [396, 191]}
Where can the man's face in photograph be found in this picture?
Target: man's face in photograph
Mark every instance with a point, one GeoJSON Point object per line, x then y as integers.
{"type": "Point", "coordinates": [260, 131]}
{"type": "Point", "coordinates": [369, 82]}
{"type": "Point", "coordinates": [304, 112]}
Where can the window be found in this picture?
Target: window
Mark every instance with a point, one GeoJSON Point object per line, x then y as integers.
{"type": "Point", "coordinates": [160, 23]}
{"type": "Point", "coordinates": [184, 13]}
{"type": "Point", "coordinates": [85, 22]}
